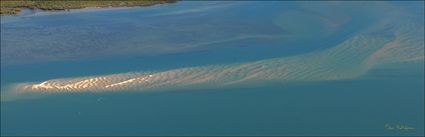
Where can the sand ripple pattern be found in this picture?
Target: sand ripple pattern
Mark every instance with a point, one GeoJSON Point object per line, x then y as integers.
{"type": "Point", "coordinates": [392, 42]}
{"type": "Point", "coordinates": [349, 59]}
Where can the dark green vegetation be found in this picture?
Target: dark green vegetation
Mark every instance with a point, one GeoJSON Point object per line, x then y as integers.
{"type": "Point", "coordinates": [15, 6]}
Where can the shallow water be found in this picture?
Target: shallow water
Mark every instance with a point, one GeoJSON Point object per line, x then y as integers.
{"type": "Point", "coordinates": [271, 68]}
{"type": "Point", "coordinates": [348, 107]}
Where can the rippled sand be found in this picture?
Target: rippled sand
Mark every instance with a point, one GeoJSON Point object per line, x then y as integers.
{"type": "Point", "coordinates": [394, 41]}
{"type": "Point", "coordinates": [392, 36]}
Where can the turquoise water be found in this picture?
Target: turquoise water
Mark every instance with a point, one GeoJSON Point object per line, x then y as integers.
{"type": "Point", "coordinates": [324, 71]}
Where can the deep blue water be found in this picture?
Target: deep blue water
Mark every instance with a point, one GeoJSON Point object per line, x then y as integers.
{"type": "Point", "coordinates": [47, 45]}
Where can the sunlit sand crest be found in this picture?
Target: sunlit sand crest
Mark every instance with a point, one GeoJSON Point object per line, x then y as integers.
{"type": "Point", "coordinates": [349, 59]}
{"type": "Point", "coordinates": [335, 63]}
